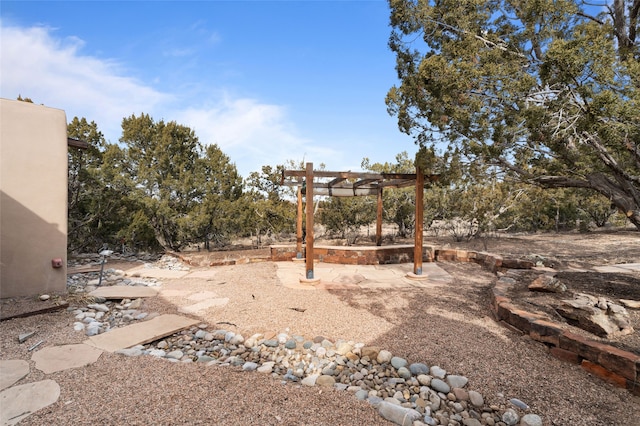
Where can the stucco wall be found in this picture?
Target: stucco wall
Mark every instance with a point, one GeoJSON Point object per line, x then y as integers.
{"type": "Point", "coordinates": [33, 204]}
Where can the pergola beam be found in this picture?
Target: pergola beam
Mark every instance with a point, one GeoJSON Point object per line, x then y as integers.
{"type": "Point", "coordinates": [336, 181]}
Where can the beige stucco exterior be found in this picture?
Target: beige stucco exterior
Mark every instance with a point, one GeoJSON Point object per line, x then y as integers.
{"type": "Point", "coordinates": [33, 207]}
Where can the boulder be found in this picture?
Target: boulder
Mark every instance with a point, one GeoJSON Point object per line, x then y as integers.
{"type": "Point", "coordinates": [596, 315]}
{"type": "Point", "coordinates": [547, 283]}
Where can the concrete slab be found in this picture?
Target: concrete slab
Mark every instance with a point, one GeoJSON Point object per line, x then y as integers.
{"type": "Point", "coordinates": [124, 292]}
{"type": "Point", "coordinates": [59, 358]}
{"type": "Point", "coordinates": [21, 401]}
{"type": "Point", "coordinates": [145, 272]}
{"type": "Point", "coordinates": [12, 370]}
{"type": "Point", "coordinates": [140, 333]}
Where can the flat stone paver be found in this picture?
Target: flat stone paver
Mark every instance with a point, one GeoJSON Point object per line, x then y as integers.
{"type": "Point", "coordinates": [124, 292]}
{"type": "Point", "coordinates": [140, 333]}
{"type": "Point", "coordinates": [204, 305]}
{"type": "Point", "coordinates": [145, 272]}
{"type": "Point", "coordinates": [336, 276]}
{"type": "Point", "coordinates": [19, 402]}
{"type": "Point", "coordinates": [205, 273]}
{"type": "Point", "coordinates": [12, 370]}
{"type": "Point", "coordinates": [202, 295]}
{"type": "Point", "coordinates": [58, 358]}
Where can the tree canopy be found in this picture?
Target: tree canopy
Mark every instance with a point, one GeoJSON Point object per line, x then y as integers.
{"type": "Point", "coordinates": [547, 90]}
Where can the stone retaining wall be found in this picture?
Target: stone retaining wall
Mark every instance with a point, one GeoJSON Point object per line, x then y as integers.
{"type": "Point", "coordinates": [611, 364]}
{"type": "Point", "coordinates": [356, 255]}
{"type": "Point", "coordinates": [616, 366]}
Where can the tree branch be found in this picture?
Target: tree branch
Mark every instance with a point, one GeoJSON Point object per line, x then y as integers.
{"type": "Point", "coordinates": [608, 160]}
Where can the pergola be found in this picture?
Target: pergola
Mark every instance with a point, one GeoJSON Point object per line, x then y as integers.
{"type": "Point", "coordinates": [350, 184]}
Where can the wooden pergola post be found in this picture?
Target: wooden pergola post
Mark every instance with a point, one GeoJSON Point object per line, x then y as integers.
{"type": "Point", "coordinates": [309, 222]}
{"type": "Point", "coordinates": [417, 249]}
{"type": "Point", "coordinates": [299, 226]}
{"type": "Point", "coordinates": [379, 218]}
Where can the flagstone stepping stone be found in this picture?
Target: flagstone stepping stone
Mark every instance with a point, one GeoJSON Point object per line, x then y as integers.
{"type": "Point", "coordinates": [124, 292]}
{"type": "Point", "coordinates": [140, 333]}
{"type": "Point", "coordinates": [11, 371]}
{"type": "Point", "coordinates": [619, 268]}
{"type": "Point", "coordinates": [156, 273]}
{"type": "Point", "coordinates": [58, 358]}
{"type": "Point", "coordinates": [207, 273]}
{"type": "Point", "coordinates": [19, 402]}
{"type": "Point", "coordinates": [202, 295]}
{"type": "Point", "coordinates": [204, 305]}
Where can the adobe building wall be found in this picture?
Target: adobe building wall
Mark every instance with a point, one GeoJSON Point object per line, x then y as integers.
{"type": "Point", "coordinates": [33, 204]}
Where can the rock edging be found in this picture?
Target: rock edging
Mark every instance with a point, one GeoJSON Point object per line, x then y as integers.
{"type": "Point", "coordinates": [404, 393]}
{"type": "Point", "coordinates": [616, 366]}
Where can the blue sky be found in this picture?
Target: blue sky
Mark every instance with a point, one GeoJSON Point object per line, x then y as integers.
{"type": "Point", "coordinates": [267, 81]}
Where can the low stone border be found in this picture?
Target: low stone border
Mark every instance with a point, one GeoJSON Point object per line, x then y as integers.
{"type": "Point", "coordinates": [221, 262]}
{"type": "Point", "coordinates": [375, 255]}
{"type": "Point", "coordinates": [616, 366]}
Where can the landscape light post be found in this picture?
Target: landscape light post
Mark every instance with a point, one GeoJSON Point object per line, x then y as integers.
{"type": "Point", "coordinates": [104, 254]}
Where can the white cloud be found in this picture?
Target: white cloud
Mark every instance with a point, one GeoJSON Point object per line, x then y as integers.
{"type": "Point", "coordinates": [252, 134]}
{"type": "Point", "coordinates": [54, 72]}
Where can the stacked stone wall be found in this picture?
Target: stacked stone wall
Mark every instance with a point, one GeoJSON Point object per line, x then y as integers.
{"type": "Point", "coordinates": [614, 365]}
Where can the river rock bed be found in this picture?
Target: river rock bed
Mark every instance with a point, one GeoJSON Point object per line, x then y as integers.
{"type": "Point", "coordinates": [411, 394]}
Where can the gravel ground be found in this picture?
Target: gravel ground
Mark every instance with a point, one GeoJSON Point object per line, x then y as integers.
{"type": "Point", "coordinates": [447, 326]}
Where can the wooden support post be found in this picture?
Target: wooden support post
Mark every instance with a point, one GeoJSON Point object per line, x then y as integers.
{"type": "Point", "coordinates": [379, 218]}
{"type": "Point", "coordinates": [299, 225]}
{"type": "Point", "coordinates": [417, 250]}
{"type": "Point", "coordinates": [309, 211]}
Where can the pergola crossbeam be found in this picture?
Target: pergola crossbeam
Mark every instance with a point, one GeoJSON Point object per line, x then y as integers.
{"type": "Point", "coordinates": [344, 184]}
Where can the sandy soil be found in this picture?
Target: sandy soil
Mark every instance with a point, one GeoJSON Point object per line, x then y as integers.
{"type": "Point", "coordinates": [449, 326]}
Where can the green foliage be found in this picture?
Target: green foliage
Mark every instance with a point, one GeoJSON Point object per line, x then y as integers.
{"type": "Point", "coordinates": [470, 198]}
{"type": "Point", "coordinates": [20, 98]}
{"type": "Point", "coordinates": [345, 216]}
{"type": "Point", "coordinates": [268, 207]}
{"type": "Point", "coordinates": [594, 208]}
{"type": "Point", "coordinates": [161, 188]}
{"type": "Point", "coordinates": [162, 159]}
{"type": "Point", "coordinates": [91, 212]}
{"type": "Point", "coordinates": [545, 90]}
{"type": "Point", "coordinates": [217, 188]}
{"type": "Point", "coordinates": [398, 204]}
